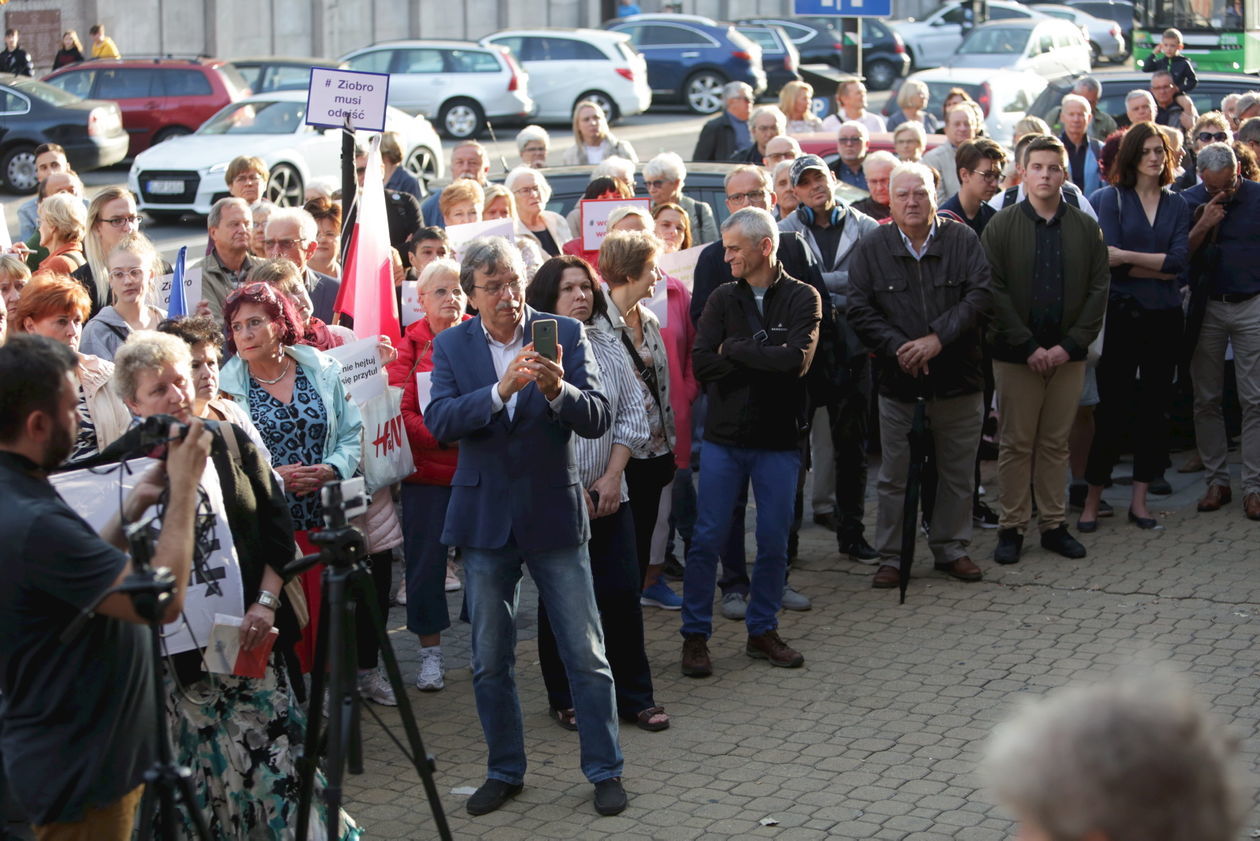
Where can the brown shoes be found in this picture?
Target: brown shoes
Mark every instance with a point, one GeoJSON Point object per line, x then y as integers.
{"type": "Point", "coordinates": [1251, 506]}
{"type": "Point", "coordinates": [886, 577]}
{"type": "Point", "coordinates": [1216, 496]}
{"type": "Point", "coordinates": [962, 569]}
{"type": "Point", "coordinates": [695, 656]}
{"type": "Point", "coordinates": [769, 646]}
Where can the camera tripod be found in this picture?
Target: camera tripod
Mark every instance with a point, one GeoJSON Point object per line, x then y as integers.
{"type": "Point", "coordinates": [347, 585]}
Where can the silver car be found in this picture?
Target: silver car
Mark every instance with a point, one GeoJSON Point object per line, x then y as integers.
{"type": "Point", "coordinates": [1106, 41]}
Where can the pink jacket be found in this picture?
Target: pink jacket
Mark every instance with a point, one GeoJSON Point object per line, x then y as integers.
{"type": "Point", "coordinates": [679, 335]}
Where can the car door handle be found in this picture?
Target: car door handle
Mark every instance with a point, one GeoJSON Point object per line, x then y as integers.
{"type": "Point", "coordinates": [690, 55]}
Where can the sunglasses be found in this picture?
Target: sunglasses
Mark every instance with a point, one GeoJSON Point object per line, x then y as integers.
{"type": "Point", "coordinates": [1208, 136]}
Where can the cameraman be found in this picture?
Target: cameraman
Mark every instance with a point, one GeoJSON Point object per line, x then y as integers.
{"type": "Point", "coordinates": [78, 718]}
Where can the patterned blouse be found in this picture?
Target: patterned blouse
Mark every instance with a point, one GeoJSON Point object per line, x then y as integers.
{"type": "Point", "coordinates": [294, 433]}
{"type": "Point", "coordinates": [85, 444]}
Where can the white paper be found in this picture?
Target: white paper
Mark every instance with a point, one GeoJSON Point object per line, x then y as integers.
{"type": "Point", "coordinates": [595, 213]}
{"type": "Point", "coordinates": [160, 291]}
{"type": "Point", "coordinates": [335, 94]}
{"type": "Point", "coordinates": [361, 372]}
{"type": "Point", "coordinates": [424, 390]}
{"type": "Point", "coordinates": [659, 302]}
{"type": "Point", "coordinates": [6, 242]}
{"type": "Point", "coordinates": [411, 310]}
{"type": "Point", "coordinates": [681, 265]}
{"type": "Point", "coordinates": [460, 235]}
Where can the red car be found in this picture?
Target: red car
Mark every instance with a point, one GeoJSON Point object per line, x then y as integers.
{"type": "Point", "coordinates": [160, 98]}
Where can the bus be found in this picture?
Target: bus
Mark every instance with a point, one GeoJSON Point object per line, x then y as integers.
{"type": "Point", "coordinates": [1221, 35]}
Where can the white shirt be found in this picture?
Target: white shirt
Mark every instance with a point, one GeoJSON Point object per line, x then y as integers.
{"type": "Point", "coordinates": [501, 355]}
{"type": "Point", "coordinates": [996, 201]}
{"type": "Point", "coordinates": [872, 121]}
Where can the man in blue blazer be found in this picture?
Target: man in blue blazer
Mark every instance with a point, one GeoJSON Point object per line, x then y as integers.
{"type": "Point", "coordinates": [515, 497]}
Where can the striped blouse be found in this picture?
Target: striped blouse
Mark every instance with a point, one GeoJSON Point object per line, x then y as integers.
{"type": "Point", "coordinates": [630, 422]}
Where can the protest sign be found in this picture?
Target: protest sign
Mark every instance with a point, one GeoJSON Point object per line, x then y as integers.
{"type": "Point", "coordinates": [595, 213]}
{"type": "Point", "coordinates": [460, 235]}
{"type": "Point", "coordinates": [681, 265]}
{"type": "Point", "coordinates": [335, 95]}
{"type": "Point", "coordinates": [160, 291]}
{"type": "Point", "coordinates": [360, 369]}
{"type": "Point", "coordinates": [411, 310]}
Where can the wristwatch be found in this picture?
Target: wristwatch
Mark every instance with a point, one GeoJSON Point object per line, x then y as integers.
{"type": "Point", "coordinates": [268, 599]}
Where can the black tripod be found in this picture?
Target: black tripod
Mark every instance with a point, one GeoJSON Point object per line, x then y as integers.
{"type": "Point", "coordinates": [347, 584]}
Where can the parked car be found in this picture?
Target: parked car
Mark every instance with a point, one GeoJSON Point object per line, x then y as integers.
{"type": "Point", "coordinates": [1106, 41]}
{"type": "Point", "coordinates": [817, 39]}
{"type": "Point", "coordinates": [160, 98]}
{"type": "Point", "coordinates": [934, 39]}
{"type": "Point", "coordinates": [91, 131]}
{"type": "Point", "coordinates": [1116, 84]}
{"type": "Point", "coordinates": [1048, 47]}
{"type": "Point", "coordinates": [186, 174]}
{"type": "Point", "coordinates": [566, 66]}
{"type": "Point", "coordinates": [1123, 13]}
{"type": "Point", "coordinates": [461, 82]}
{"type": "Point", "coordinates": [1003, 97]}
{"type": "Point", "coordinates": [820, 40]}
{"type": "Point", "coordinates": [779, 56]}
{"type": "Point", "coordinates": [690, 58]}
{"type": "Point", "coordinates": [275, 73]}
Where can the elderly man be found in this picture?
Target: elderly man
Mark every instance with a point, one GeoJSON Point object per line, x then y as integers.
{"type": "Point", "coordinates": [49, 158]}
{"type": "Point", "coordinates": [851, 105]}
{"type": "Point", "coordinates": [877, 169]}
{"type": "Point", "coordinates": [766, 123]}
{"type": "Point", "coordinates": [728, 132]}
{"type": "Point", "coordinates": [1139, 107]}
{"type": "Point", "coordinates": [1248, 106]}
{"type": "Point", "coordinates": [781, 185]}
{"type": "Point", "coordinates": [1049, 280]}
{"type": "Point", "coordinates": [1102, 124]}
{"type": "Point", "coordinates": [1229, 107]}
{"type": "Point", "coordinates": [1226, 208]}
{"type": "Point", "coordinates": [851, 142]}
{"type": "Point", "coordinates": [516, 501]}
{"type": "Point", "coordinates": [754, 344]}
{"type": "Point", "coordinates": [229, 261]}
{"type": "Point", "coordinates": [962, 123]}
{"type": "Point", "coordinates": [781, 148]}
{"type": "Point", "coordinates": [246, 179]}
{"type": "Point", "coordinates": [979, 164]}
{"type": "Point", "coordinates": [532, 144]}
{"type": "Point", "coordinates": [1171, 110]}
{"type": "Point", "coordinates": [1083, 151]}
{"type": "Point", "coordinates": [664, 176]}
{"type": "Point", "coordinates": [468, 160]}
{"type": "Point", "coordinates": [292, 234]}
{"type": "Point", "coordinates": [918, 296]}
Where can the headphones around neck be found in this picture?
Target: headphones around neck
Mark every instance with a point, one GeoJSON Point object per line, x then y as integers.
{"type": "Point", "coordinates": [806, 214]}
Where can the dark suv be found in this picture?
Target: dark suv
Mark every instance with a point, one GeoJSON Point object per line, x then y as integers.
{"type": "Point", "coordinates": [819, 40]}
{"type": "Point", "coordinates": [160, 98]}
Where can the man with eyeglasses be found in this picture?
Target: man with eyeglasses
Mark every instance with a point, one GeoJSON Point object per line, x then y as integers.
{"type": "Point", "coordinates": [979, 164]}
{"type": "Point", "coordinates": [246, 178]}
{"type": "Point", "coordinates": [469, 159]}
{"type": "Point", "coordinates": [1172, 109]}
{"type": "Point", "coordinates": [291, 235]}
{"type": "Point", "coordinates": [851, 142]}
{"type": "Point", "coordinates": [229, 261]}
{"type": "Point", "coordinates": [49, 158]}
{"type": "Point", "coordinates": [781, 148]}
{"type": "Point", "coordinates": [728, 131]}
{"type": "Point", "coordinates": [516, 500]}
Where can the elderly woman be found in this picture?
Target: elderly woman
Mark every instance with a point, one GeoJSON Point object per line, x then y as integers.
{"type": "Point", "coordinates": [796, 99]}
{"type": "Point", "coordinates": [293, 394]}
{"type": "Point", "coordinates": [1146, 227]}
{"type": "Point", "coordinates": [498, 203]}
{"type": "Point", "coordinates": [286, 278]}
{"type": "Point", "coordinates": [566, 286]}
{"type": "Point", "coordinates": [62, 225]}
{"type": "Point", "coordinates": [327, 216]}
{"type": "Point", "coordinates": [532, 143]}
{"type": "Point", "coordinates": [664, 176]}
{"type": "Point", "coordinates": [532, 192]}
{"type": "Point", "coordinates": [1126, 760]}
{"type": "Point", "coordinates": [909, 141]}
{"type": "Point", "coordinates": [460, 202]}
{"type": "Point", "coordinates": [55, 306]}
{"type": "Point", "coordinates": [111, 216]}
{"type": "Point", "coordinates": [14, 275]}
{"type": "Point", "coordinates": [427, 492]}
{"type": "Point", "coordinates": [593, 141]}
{"type": "Point", "coordinates": [912, 103]}
{"type": "Point", "coordinates": [131, 265]}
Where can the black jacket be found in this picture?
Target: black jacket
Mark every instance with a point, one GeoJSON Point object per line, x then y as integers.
{"type": "Point", "coordinates": [17, 61]}
{"type": "Point", "coordinates": [755, 378]}
{"type": "Point", "coordinates": [717, 140]}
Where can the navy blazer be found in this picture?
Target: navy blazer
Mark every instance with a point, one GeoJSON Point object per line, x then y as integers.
{"type": "Point", "coordinates": [515, 478]}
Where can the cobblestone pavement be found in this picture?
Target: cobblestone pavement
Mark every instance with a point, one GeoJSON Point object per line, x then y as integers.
{"type": "Point", "coordinates": [878, 736]}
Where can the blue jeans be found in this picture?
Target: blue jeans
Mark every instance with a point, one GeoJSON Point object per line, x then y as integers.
{"type": "Point", "coordinates": [563, 576]}
{"type": "Point", "coordinates": [423, 513]}
{"type": "Point", "coordinates": [724, 471]}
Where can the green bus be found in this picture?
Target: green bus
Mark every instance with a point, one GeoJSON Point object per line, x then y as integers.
{"type": "Point", "coordinates": [1221, 35]}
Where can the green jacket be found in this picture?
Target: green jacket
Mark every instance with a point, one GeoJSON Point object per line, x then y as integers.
{"type": "Point", "coordinates": [1010, 241]}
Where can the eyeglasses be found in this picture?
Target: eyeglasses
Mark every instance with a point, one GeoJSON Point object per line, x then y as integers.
{"type": "Point", "coordinates": [534, 190]}
{"type": "Point", "coordinates": [495, 290]}
{"type": "Point", "coordinates": [757, 197]}
{"type": "Point", "coordinates": [248, 176]}
{"type": "Point", "coordinates": [122, 221]}
{"type": "Point", "coordinates": [1209, 136]}
{"type": "Point", "coordinates": [282, 244]}
{"type": "Point", "coordinates": [120, 275]}
{"type": "Point", "coordinates": [442, 292]}
{"type": "Point", "coordinates": [848, 140]}
{"type": "Point", "coordinates": [657, 184]}
{"type": "Point", "coordinates": [988, 175]}
{"type": "Point", "coordinates": [1163, 87]}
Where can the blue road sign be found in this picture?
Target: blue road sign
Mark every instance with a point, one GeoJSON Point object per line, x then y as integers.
{"type": "Point", "coordinates": [844, 8]}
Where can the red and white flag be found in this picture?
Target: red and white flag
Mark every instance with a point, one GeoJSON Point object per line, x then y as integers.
{"type": "Point", "coordinates": [367, 279]}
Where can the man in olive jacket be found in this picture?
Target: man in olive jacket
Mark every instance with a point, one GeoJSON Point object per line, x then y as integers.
{"type": "Point", "coordinates": [918, 292]}
{"type": "Point", "coordinates": [1050, 277]}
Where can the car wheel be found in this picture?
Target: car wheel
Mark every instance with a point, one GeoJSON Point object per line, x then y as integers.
{"type": "Point", "coordinates": [284, 187]}
{"type": "Point", "coordinates": [1095, 53]}
{"type": "Point", "coordinates": [880, 75]}
{"type": "Point", "coordinates": [422, 163]}
{"type": "Point", "coordinates": [19, 169]}
{"type": "Point", "coordinates": [461, 119]}
{"type": "Point", "coordinates": [703, 92]}
{"type": "Point", "coordinates": [169, 132]}
{"type": "Point", "coordinates": [604, 101]}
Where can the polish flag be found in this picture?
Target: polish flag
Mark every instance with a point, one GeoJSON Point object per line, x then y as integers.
{"type": "Point", "coordinates": [367, 279]}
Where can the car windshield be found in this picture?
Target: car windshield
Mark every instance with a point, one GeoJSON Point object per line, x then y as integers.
{"type": "Point", "coordinates": [256, 118]}
{"type": "Point", "coordinates": [996, 41]}
{"type": "Point", "coordinates": [44, 92]}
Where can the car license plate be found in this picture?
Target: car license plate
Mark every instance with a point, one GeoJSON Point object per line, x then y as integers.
{"type": "Point", "coordinates": [166, 188]}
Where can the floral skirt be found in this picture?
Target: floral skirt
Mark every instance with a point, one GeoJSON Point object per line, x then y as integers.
{"type": "Point", "coordinates": [241, 736]}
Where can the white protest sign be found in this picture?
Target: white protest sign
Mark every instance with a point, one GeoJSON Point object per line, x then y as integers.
{"type": "Point", "coordinates": [595, 213]}
{"type": "Point", "coordinates": [681, 265]}
{"type": "Point", "coordinates": [424, 390]}
{"type": "Point", "coordinates": [658, 304]}
{"type": "Point", "coordinates": [460, 235]}
{"type": "Point", "coordinates": [361, 372]}
{"type": "Point", "coordinates": [6, 242]}
{"type": "Point", "coordinates": [335, 94]}
{"type": "Point", "coordinates": [215, 585]}
{"type": "Point", "coordinates": [160, 291]}
{"type": "Point", "coordinates": [411, 311]}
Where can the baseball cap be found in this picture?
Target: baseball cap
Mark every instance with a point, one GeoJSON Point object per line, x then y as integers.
{"type": "Point", "coordinates": [805, 163]}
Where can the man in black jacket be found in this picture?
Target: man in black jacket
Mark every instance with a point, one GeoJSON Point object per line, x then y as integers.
{"type": "Point", "coordinates": [754, 344]}
{"type": "Point", "coordinates": [728, 131]}
{"type": "Point", "coordinates": [14, 59]}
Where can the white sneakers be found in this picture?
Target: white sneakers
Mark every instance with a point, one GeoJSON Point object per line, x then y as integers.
{"type": "Point", "coordinates": [374, 686]}
{"type": "Point", "coordinates": [432, 669]}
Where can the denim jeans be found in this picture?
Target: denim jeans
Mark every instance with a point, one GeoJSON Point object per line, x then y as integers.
{"type": "Point", "coordinates": [424, 512]}
{"type": "Point", "coordinates": [563, 576]}
{"type": "Point", "coordinates": [724, 472]}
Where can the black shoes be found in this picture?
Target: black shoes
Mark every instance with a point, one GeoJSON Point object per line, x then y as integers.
{"type": "Point", "coordinates": [610, 797]}
{"type": "Point", "coordinates": [1143, 522]}
{"type": "Point", "coordinates": [858, 550]}
{"type": "Point", "coordinates": [1061, 542]}
{"type": "Point", "coordinates": [493, 794]}
{"type": "Point", "coordinates": [1010, 544]}
{"type": "Point", "coordinates": [826, 519]}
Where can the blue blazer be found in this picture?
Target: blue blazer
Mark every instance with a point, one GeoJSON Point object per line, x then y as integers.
{"type": "Point", "coordinates": [515, 478]}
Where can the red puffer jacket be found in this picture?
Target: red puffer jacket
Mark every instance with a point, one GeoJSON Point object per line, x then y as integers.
{"type": "Point", "coordinates": [435, 461]}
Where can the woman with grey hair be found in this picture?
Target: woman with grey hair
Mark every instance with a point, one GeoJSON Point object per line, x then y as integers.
{"type": "Point", "coordinates": [1128, 760]}
{"type": "Point", "coordinates": [532, 192]}
{"type": "Point", "coordinates": [532, 143]}
{"type": "Point", "coordinates": [912, 104]}
{"type": "Point", "coordinates": [664, 177]}
{"type": "Point", "coordinates": [593, 141]}
{"type": "Point", "coordinates": [909, 140]}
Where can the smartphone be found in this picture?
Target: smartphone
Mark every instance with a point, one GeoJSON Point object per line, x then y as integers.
{"type": "Point", "coordinates": [544, 337]}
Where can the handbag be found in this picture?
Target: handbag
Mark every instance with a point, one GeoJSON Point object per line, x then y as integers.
{"type": "Point", "coordinates": [386, 451]}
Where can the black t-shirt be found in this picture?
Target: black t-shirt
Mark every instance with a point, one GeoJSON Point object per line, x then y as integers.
{"type": "Point", "coordinates": [548, 242]}
{"type": "Point", "coordinates": [828, 240]}
{"type": "Point", "coordinates": [79, 716]}
{"type": "Point", "coordinates": [953, 208]}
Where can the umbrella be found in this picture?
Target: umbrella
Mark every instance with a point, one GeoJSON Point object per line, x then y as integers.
{"type": "Point", "coordinates": [920, 449]}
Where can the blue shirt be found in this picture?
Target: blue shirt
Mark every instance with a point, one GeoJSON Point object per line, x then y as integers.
{"type": "Point", "coordinates": [856, 177]}
{"type": "Point", "coordinates": [1238, 270]}
{"type": "Point", "coordinates": [743, 137]}
{"type": "Point", "coordinates": [953, 209]}
{"type": "Point", "coordinates": [627, 10]}
{"type": "Point", "coordinates": [1124, 225]}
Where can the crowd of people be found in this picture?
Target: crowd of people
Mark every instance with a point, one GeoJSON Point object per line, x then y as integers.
{"type": "Point", "coordinates": [17, 60]}
{"type": "Point", "coordinates": [977, 281]}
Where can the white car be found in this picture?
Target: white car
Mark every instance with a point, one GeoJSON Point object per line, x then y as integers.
{"type": "Point", "coordinates": [566, 66]}
{"type": "Point", "coordinates": [1004, 97]}
{"type": "Point", "coordinates": [185, 174]}
{"type": "Point", "coordinates": [458, 84]}
{"type": "Point", "coordinates": [1049, 47]}
{"type": "Point", "coordinates": [1105, 39]}
{"type": "Point", "coordinates": [934, 39]}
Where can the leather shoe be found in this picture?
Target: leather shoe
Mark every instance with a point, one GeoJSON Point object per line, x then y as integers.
{"type": "Point", "coordinates": [962, 569]}
{"type": "Point", "coordinates": [1009, 544]}
{"type": "Point", "coordinates": [1060, 541]}
{"type": "Point", "coordinates": [1143, 522]}
{"type": "Point", "coordinates": [1251, 506]}
{"type": "Point", "coordinates": [610, 797]}
{"type": "Point", "coordinates": [492, 795]}
{"type": "Point", "coordinates": [858, 550]}
{"type": "Point", "coordinates": [1216, 497]}
{"type": "Point", "coordinates": [695, 656]}
{"type": "Point", "coordinates": [886, 577]}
